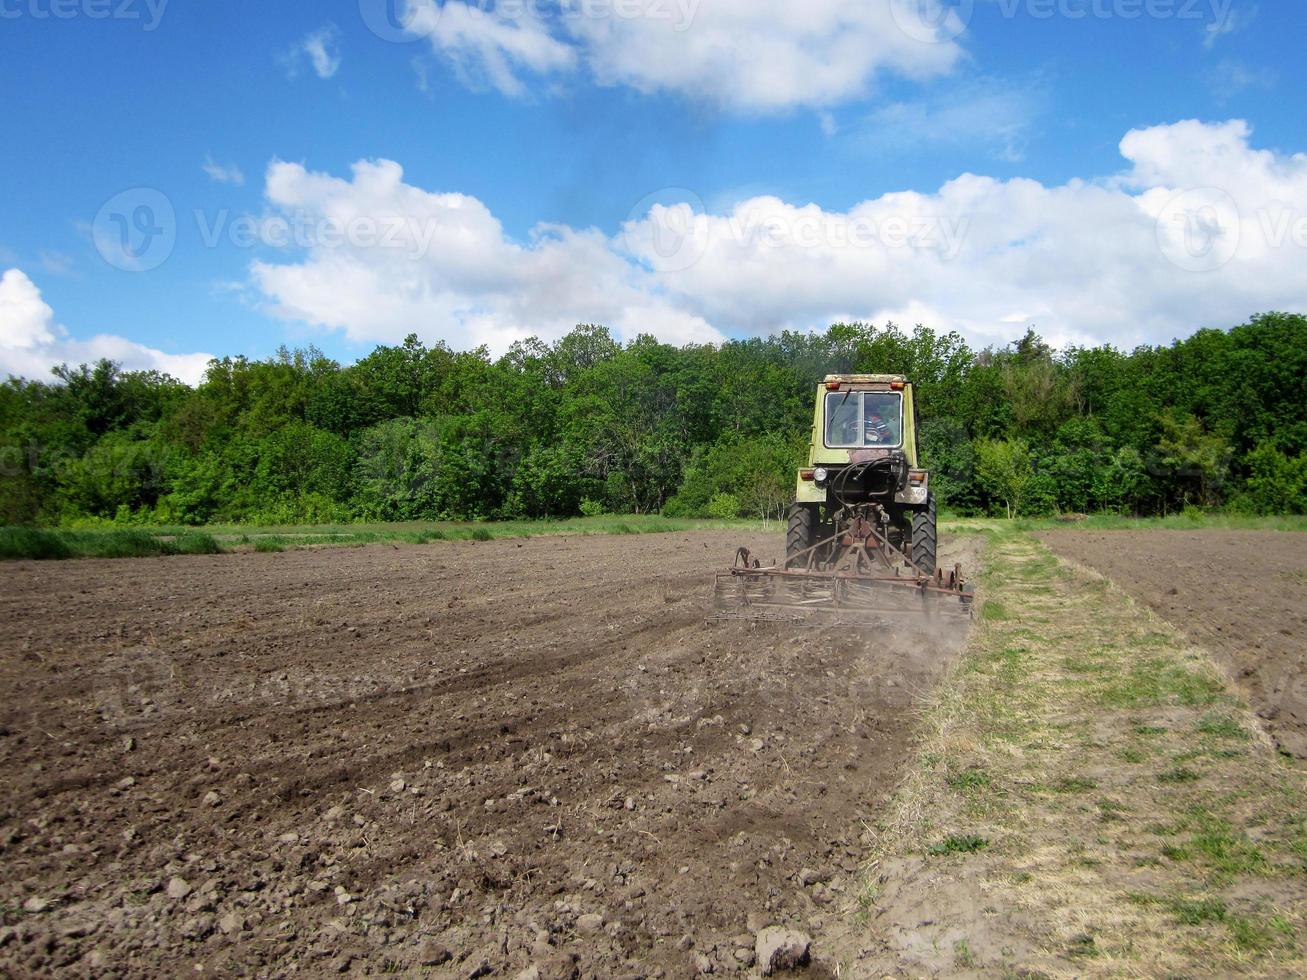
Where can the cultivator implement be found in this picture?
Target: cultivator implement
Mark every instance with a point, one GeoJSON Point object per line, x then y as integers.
{"type": "Point", "coordinates": [855, 577]}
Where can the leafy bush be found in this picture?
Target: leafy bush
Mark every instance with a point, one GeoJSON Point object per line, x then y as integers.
{"type": "Point", "coordinates": [1276, 484]}
{"type": "Point", "coordinates": [196, 543]}
{"type": "Point", "coordinates": [32, 544]}
{"type": "Point", "coordinates": [724, 507]}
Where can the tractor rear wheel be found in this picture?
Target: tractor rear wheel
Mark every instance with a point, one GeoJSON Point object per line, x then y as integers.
{"type": "Point", "coordinates": [800, 535]}
{"type": "Point", "coordinates": [925, 539]}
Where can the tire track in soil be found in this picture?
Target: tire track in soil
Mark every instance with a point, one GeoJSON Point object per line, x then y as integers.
{"type": "Point", "coordinates": [477, 744]}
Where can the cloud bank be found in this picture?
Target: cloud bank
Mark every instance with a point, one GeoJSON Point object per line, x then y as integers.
{"type": "Point", "coordinates": [757, 56]}
{"type": "Point", "coordinates": [31, 342]}
{"type": "Point", "coordinates": [1199, 229]}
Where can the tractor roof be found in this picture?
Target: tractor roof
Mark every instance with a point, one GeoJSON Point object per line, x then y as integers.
{"type": "Point", "coordinates": [865, 379]}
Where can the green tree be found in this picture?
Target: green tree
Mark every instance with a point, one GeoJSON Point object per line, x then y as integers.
{"type": "Point", "coordinates": [1196, 459]}
{"type": "Point", "coordinates": [548, 483]}
{"type": "Point", "coordinates": [1276, 484]}
{"type": "Point", "coordinates": [1005, 471]}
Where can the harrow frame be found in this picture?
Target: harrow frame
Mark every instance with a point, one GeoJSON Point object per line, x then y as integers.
{"type": "Point", "coordinates": [868, 581]}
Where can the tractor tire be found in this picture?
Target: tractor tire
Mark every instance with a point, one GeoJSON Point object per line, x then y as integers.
{"type": "Point", "coordinates": [925, 539]}
{"type": "Point", "coordinates": [800, 535]}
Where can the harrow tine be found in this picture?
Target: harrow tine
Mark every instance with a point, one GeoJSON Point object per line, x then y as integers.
{"type": "Point", "coordinates": [856, 591]}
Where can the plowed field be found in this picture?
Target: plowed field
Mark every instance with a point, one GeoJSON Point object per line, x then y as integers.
{"type": "Point", "coordinates": [468, 758]}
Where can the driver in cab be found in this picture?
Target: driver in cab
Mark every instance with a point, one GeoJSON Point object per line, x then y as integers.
{"type": "Point", "coordinates": [878, 431]}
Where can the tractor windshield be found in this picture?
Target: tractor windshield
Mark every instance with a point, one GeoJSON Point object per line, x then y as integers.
{"type": "Point", "coordinates": [864, 418]}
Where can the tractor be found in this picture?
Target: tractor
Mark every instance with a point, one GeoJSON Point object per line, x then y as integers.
{"type": "Point", "coordinates": [861, 538]}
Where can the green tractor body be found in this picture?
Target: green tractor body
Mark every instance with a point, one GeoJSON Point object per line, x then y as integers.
{"type": "Point", "coordinates": [863, 459]}
{"type": "Point", "coordinates": [860, 540]}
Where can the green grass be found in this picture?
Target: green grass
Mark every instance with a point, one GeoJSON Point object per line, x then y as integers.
{"type": "Point", "coordinates": [967, 780]}
{"type": "Point", "coordinates": [1187, 521]}
{"type": "Point", "coordinates": [1246, 933]}
{"type": "Point", "coordinates": [1159, 681]}
{"type": "Point", "coordinates": [44, 544]}
{"type": "Point", "coordinates": [1111, 751]}
{"type": "Point", "coordinates": [1074, 784]}
{"type": "Point", "coordinates": [1191, 912]}
{"type": "Point", "coordinates": [1221, 847]}
{"type": "Point", "coordinates": [1221, 726]}
{"type": "Point", "coordinates": [35, 544]}
{"type": "Point", "coordinates": [958, 844]}
{"type": "Point", "coordinates": [962, 955]}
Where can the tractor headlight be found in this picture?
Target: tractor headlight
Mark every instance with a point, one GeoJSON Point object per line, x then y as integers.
{"type": "Point", "coordinates": [820, 474]}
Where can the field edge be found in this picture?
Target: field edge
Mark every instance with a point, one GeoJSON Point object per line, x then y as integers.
{"type": "Point", "coordinates": [1089, 794]}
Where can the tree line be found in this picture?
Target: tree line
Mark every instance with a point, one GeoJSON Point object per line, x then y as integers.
{"type": "Point", "coordinates": [587, 425]}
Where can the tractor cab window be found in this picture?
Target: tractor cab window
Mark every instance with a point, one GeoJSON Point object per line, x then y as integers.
{"type": "Point", "coordinates": [855, 419]}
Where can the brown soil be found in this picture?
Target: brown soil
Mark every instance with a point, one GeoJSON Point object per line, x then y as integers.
{"type": "Point", "coordinates": [464, 758]}
{"type": "Point", "coordinates": [1241, 594]}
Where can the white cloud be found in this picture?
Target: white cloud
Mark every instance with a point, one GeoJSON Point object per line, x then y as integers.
{"type": "Point", "coordinates": [321, 48]}
{"type": "Point", "coordinates": [56, 263]}
{"type": "Point", "coordinates": [1230, 78]}
{"type": "Point", "coordinates": [747, 55]}
{"type": "Point", "coordinates": [983, 113]}
{"type": "Point", "coordinates": [1200, 229]}
{"type": "Point", "coordinates": [487, 48]}
{"type": "Point", "coordinates": [31, 343]}
{"type": "Point", "coordinates": [407, 260]}
{"type": "Point", "coordinates": [223, 174]}
{"type": "Point", "coordinates": [26, 322]}
{"type": "Point", "coordinates": [1234, 19]}
{"type": "Point", "coordinates": [422, 75]}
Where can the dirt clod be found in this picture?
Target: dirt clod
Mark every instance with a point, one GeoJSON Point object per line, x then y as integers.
{"type": "Point", "coordinates": [561, 966]}
{"type": "Point", "coordinates": [434, 954]}
{"type": "Point", "coordinates": [178, 887]}
{"type": "Point", "coordinates": [780, 950]}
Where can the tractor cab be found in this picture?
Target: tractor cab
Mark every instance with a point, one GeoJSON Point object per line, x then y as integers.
{"type": "Point", "coordinates": [864, 444]}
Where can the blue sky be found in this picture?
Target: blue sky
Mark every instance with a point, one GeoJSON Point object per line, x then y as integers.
{"type": "Point", "coordinates": [557, 135]}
